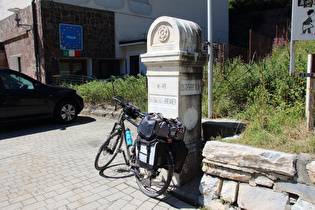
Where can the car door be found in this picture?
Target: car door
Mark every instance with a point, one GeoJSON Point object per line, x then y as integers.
{"type": "Point", "coordinates": [3, 106]}
{"type": "Point", "coordinates": [23, 97]}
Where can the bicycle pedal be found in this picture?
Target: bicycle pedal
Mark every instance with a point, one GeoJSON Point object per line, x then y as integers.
{"type": "Point", "coordinates": [134, 171]}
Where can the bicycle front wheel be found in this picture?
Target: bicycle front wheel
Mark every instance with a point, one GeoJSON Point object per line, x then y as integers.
{"type": "Point", "coordinates": [155, 182]}
{"type": "Point", "coordinates": [108, 151]}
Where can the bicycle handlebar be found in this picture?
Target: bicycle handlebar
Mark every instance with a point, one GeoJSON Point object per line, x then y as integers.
{"type": "Point", "coordinates": [128, 108]}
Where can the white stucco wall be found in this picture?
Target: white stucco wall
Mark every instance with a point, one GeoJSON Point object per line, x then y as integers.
{"type": "Point", "coordinates": [133, 18]}
{"type": "Point", "coordinates": [6, 4]}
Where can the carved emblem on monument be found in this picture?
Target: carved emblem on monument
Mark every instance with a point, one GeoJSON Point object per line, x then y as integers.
{"type": "Point", "coordinates": [164, 33]}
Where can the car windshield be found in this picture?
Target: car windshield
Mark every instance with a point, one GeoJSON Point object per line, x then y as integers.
{"type": "Point", "coordinates": [12, 81]}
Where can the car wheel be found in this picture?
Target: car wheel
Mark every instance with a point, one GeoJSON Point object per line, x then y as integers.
{"type": "Point", "coordinates": [66, 112]}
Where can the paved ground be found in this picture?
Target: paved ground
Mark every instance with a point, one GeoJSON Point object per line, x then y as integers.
{"type": "Point", "coordinates": [44, 165]}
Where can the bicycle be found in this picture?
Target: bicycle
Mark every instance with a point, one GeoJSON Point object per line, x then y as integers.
{"type": "Point", "coordinates": [151, 182]}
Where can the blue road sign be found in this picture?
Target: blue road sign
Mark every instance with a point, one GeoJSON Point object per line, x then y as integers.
{"type": "Point", "coordinates": [71, 37]}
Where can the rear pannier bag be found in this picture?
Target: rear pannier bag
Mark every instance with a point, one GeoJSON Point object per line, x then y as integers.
{"type": "Point", "coordinates": [154, 125]}
{"type": "Point", "coordinates": [149, 154]}
{"type": "Point", "coordinates": [179, 151]}
{"type": "Point", "coordinates": [149, 125]}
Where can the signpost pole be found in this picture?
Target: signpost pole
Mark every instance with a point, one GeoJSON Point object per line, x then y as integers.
{"type": "Point", "coordinates": [210, 63]}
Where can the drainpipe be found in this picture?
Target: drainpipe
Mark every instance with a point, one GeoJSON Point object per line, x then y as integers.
{"type": "Point", "coordinates": [35, 35]}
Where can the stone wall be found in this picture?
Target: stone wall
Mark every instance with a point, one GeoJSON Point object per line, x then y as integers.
{"type": "Point", "coordinates": [19, 42]}
{"type": "Point", "coordinates": [237, 176]}
{"type": "Point", "coordinates": [98, 34]}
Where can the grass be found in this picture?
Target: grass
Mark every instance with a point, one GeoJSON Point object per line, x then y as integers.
{"type": "Point", "coordinates": [269, 101]}
{"type": "Point", "coordinates": [261, 94]}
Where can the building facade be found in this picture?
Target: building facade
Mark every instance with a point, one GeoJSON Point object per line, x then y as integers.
{"type": "Point", "coordinates": [95, 38]}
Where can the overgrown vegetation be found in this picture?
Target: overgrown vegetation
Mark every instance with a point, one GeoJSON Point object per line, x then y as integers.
{"type": "Point", "coordinates": [267, 99]}
{"type": "Point", "coordinates": [261, 94]}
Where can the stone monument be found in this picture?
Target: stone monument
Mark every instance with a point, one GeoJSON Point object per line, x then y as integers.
{"type": "Point", "coordinates": [175, 62]}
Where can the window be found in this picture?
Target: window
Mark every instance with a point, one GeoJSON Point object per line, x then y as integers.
{"type": "Point", "coordinates": [134, 65]}
{"type": "Point", "coordinates": [72, 66]}
{"type": "Point", "coordinates": [15, 63]}
{"type": "Point", "coordinates": [14, 82]}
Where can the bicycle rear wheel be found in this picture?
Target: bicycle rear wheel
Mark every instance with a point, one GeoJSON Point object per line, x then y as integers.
{"type": "Point", "coordinates": [155, 182]}
{"type": "Point", "coordinates": [108, 151]}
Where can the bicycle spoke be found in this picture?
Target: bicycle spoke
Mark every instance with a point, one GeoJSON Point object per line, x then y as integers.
{"type": "Point", "coordinates": [155, 182]}
{"type": "Point", "coordinates": [108, 150]}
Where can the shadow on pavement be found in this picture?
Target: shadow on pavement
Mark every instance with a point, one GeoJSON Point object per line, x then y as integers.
{"type": "Point", "coordinates": [119, 170]}
{"type": "Point", "coordinates": [116, 171]}
{"type": "Point", "coordinates": [16, 129]}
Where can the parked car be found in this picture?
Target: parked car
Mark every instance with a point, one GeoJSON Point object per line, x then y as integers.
{"type": "Point", "coordinates": [23, 97]}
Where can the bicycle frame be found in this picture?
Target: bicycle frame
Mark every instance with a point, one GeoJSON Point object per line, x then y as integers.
{"type": "Point", "coordinates": [121, 124]}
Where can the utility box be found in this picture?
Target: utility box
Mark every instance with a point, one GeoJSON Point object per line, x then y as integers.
{"type": "Point", "coordinates": [175, 62]}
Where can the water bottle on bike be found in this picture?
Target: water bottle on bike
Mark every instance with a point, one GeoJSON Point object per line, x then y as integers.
{"type": "Point", "coordinates": [128, 137]}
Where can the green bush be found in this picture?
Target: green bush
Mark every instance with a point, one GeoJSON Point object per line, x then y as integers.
{"type": "Point", "coordinates": [133, 89]}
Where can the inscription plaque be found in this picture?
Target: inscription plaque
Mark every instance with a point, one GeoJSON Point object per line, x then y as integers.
{"type": "Point", "coordinates": [190, 87]}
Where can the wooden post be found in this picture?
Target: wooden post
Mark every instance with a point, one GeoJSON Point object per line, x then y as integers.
{"type": "Point", "coordinates": [220, 55]}
{"type": "Point", "coordinates": [224, 46]}
{"type": "Point", "coordinates": [310, 88]}
{"type": "Point", "coordinates": [287, 29]}
{"type": "Point", "coordinates": [250, 45]}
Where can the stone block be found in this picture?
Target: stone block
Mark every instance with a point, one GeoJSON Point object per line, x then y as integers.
{"type": "Point", "coordinates": [244, 172]}
{"type": "Point", "coordinates": [258, 198]}
{"type": "Point", "coordinates": [250, 157]}
{"type": "Point", "coordinates": [311, 171]}
{"type": "Point", "coordinates": [303, 205]}
{"type": "Point", "coordinates": [217, 205]}
{"type": "Point", "coordinates": [264, 181]}
{"type": "Point", "coordinates": [303, 176]}
{"type": "Point", "coordinates": [229, 191]}
{"type": "Point", "coordinates": [305, 192]}
{"type": "Point", "coordinates": [210, 187]}
{"type": "Point", "coordinates": [226, 172]}
{"type": "Point", "coordinates": [203, 201]}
